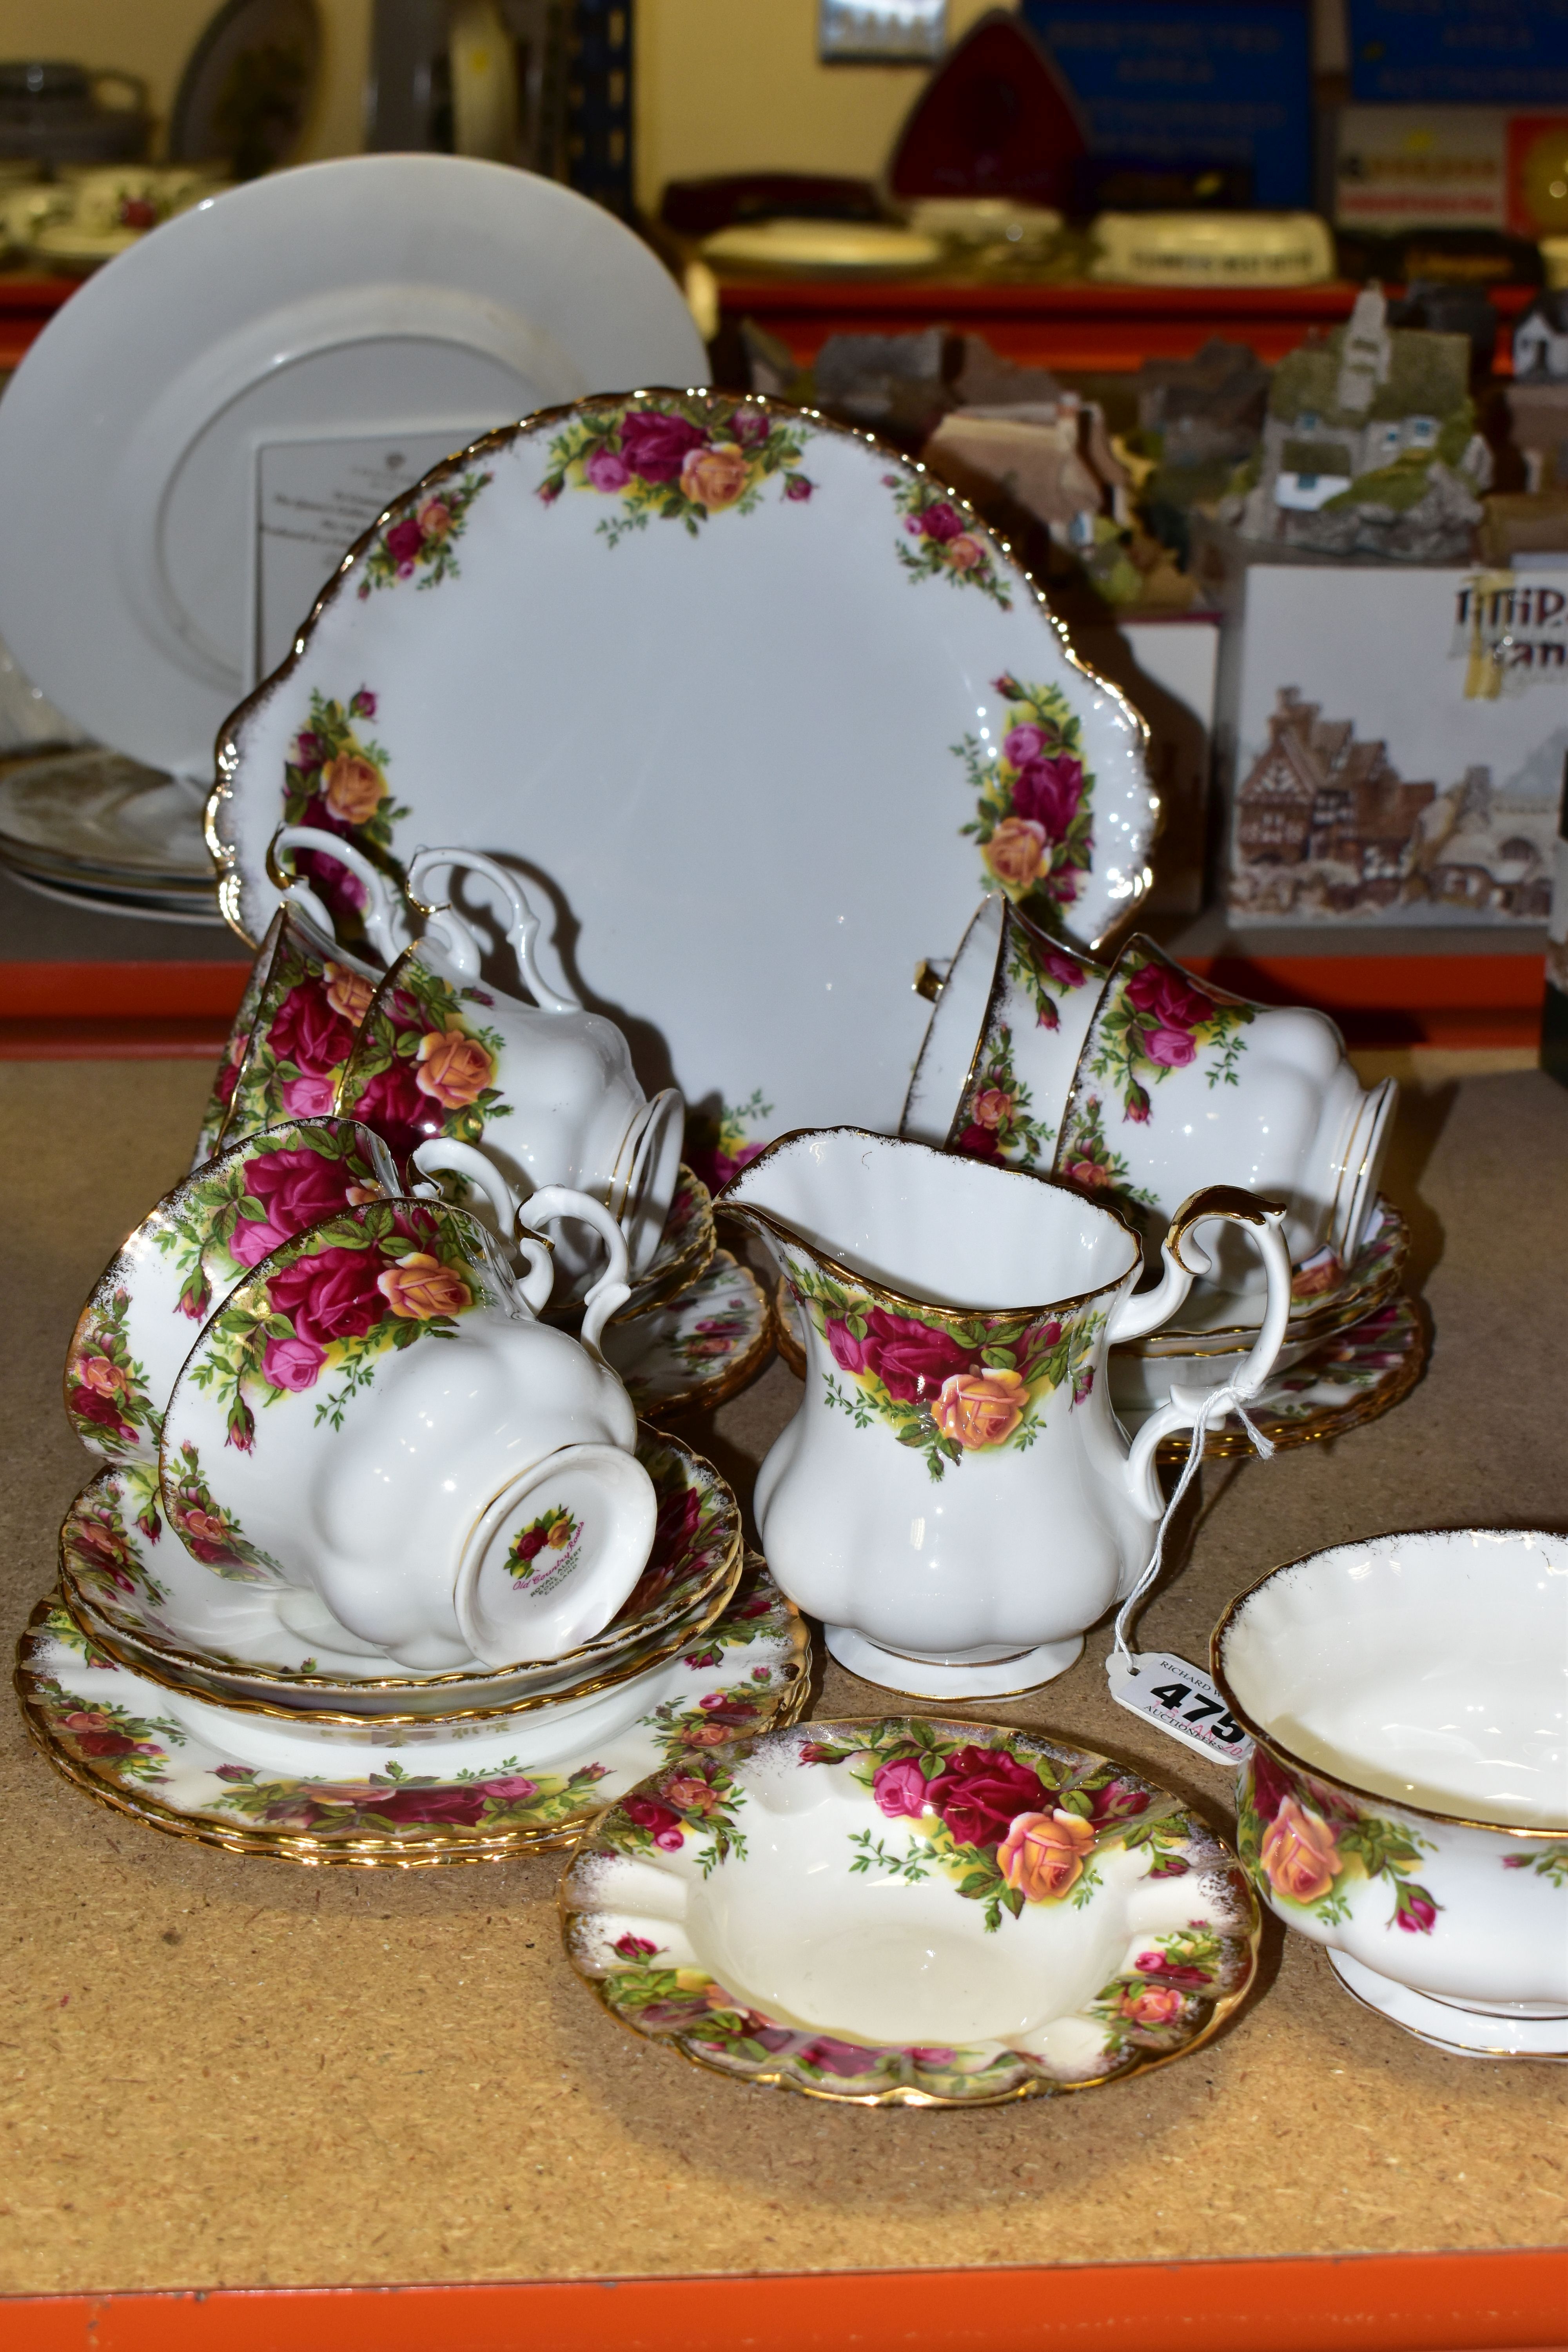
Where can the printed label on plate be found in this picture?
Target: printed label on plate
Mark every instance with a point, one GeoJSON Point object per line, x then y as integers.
{"type": "Point", "coordinates": [1181, 1700]}
{"type": "Point", "coordinates": [313, 498]}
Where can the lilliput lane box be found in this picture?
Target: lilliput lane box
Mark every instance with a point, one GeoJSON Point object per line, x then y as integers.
{"type": "Point", "coordinates": [1393, 740]}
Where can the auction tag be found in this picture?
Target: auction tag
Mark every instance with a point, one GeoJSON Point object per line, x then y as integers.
{"type": "Point", "coordinates": [1181, 1700]}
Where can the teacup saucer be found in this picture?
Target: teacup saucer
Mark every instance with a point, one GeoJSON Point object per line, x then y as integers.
{"type": "Point", "coordinates": [1325, 1296]}
{"type": "Point", "coordinates": [1354, 1377]}
{"type": "Point", "coordinates": [112, 1733]}
{"type": "Point", "coordinates": [910, 1913]}
{"type": "Point", "coordinates": [160, 1612]}
{"type": "Point", "coordinates": [685, 1249]}
{"type": "Point", "coordinates": [1446, 2025]}
{"type": "Point", "coordinates": [697, 1347]}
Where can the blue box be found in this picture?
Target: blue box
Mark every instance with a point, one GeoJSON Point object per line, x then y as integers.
{"type": "Point", "coordinates": [1461, 52]}
{"type": "Point", "coordinates": [1224, 83]}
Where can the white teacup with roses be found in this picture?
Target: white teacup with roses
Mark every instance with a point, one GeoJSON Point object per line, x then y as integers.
{"type": "Point", "coordinates": [548, 1086]}
{"type": "Point", "coordinates": [377, 1419]}
{"type": "Point", "coordinates": [955, 1496]}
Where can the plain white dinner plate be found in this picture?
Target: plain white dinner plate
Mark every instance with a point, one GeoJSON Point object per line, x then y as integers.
{"type": "Point", "coordinates": [199, 432]}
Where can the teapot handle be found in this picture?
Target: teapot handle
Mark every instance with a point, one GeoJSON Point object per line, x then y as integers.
{"type": "Point", "coordinates": [455, 938]}
{"type": "Point", "coordinates": [1185, 1260]}
{"type": "Point", "coordinates": [612, 1290]}
{"type": "Point", "coordinates": [539, 1264]}
{"type": "Point", "coordinates": [379, 923]}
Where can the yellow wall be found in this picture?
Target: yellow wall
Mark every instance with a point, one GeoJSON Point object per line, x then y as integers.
{"type": "Point", "coordinates": [154, 38]}
{"type": "Point", "coordinates": [735, 86]}
{"type": "Point", "coordinates": [722, 85]}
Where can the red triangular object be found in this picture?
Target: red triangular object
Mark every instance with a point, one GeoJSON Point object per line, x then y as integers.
{"type": "Point", "coordinates": [997, 120]}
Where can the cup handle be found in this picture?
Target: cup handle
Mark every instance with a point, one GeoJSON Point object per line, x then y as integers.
{"type": "Point", "coordinates": [612, 1290]}
{"type": "Point", "coordinates": [1185, 1260]}
{"type": "Point", "coordinates": [379, 925]}
{"type": "Point", "coordinates": [463, 951]}
{"type": "Point", "coordinates": [539, 1264]}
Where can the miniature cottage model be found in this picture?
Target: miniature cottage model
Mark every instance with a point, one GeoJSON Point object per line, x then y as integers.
{"type": "Point", "coordinates": [1541, 337]}
{"type": "Point", "coordinates": [1369, 446]}
{"type": "Point", "coordinates": [1325, 825]}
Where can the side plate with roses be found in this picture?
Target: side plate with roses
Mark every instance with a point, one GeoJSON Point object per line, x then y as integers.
{"type": "Point", "coordinates": [697, 1348]}
{"type": "Point", "coordinates": [679, 686]}
{"type": "Point", "coordinates": [112, 1733]}
{"type": "Point", "coordinates": [909, 1912]}
{"type": "Point", "coordinates": [151, 1301]}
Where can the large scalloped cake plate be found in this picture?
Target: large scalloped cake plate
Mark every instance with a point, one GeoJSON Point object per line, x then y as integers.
{"type": "Point", "coordinates": [759, 709]}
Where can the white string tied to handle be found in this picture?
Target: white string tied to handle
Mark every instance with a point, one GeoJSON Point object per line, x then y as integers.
{"type": "Point", "coordinates": [1214, 1406]}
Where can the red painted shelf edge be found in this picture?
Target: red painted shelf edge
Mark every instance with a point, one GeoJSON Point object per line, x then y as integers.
{"type": "Point", "coordinates": [1507, 2301]}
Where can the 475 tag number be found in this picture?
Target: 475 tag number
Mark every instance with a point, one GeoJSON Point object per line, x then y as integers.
{"type": "Point", "coordinates": [1174, 1696]}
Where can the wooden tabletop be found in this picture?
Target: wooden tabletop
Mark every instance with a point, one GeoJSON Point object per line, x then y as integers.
{"type": "Point", "coordinates": [236, 2074]}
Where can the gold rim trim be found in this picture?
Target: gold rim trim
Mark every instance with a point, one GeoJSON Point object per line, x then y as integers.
{"type": "Point", "coordinates": [1546, 1832]}
{"type": "Point", "coordinates": [904, 2094]}
{"type": "Point", "coordinates": [544, 421]}
{"type": "Point", "coordinates": [902, 1300]}
{"type": "Point", "coordinates": [434, 1850]}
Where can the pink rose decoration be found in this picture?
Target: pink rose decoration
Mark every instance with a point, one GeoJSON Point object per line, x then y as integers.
{"type": "Point", "coordinates": [662, 1820]}
{"type": "Point", "coordinates": [911, 1360]}
{"type": "Point", "coordinates": [941, 521]}
{"type": "Point", "coordinates": [341, 892]}
{"type": "Point", "coordinates": [980, 1791]}
{"type": "Point", "coordinates": [404, 540]}
{"type": "Point", "coordinates": [655, 446]}
{"type": "Point", "coordinates": [750, 426]}
{"type": "Point", "coordinates": [309, 1032]}
{"type": "Point", "coordinates": [1169, 997]}
{"type": "Point", "coordinates": [840, 2057]}
{"type": "Point", "coordinates": [1152, 2005]}
{"type": "Point", "coordinates": [634, 1947]}
{"type": "Point", "coordinates": [901, 1789]}
{"type": "Point", "coordinates": [296, 1189]}
{"type": "Point", "coordinates": [1022, 745]}
{"type": "Point", "coordinates": [293, 1363]}
{"type": "Point", "coordinates": [798, 487]}
{"type": "Point", "coordinates": [607, 471]}
{"type": "Point", "coordinates": [1047, 793]}
{"type": "Point", "coordinates": [1172, 1048]}
{"type": "Point", "coordinates": [309, 1097]}
{"type": "Point", "coordinates": [393, 1103]}
{"type": "Point", "coordinates": [331, 1295]}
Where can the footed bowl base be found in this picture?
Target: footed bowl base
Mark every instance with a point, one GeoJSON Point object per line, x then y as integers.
{"type": "Point", "coordinates": [1462, 2031]}
{"type": "Point", "coordinates": [926, 1678]}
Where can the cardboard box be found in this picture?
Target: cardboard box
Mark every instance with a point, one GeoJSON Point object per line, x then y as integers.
{"type": "Point", "coordinates": [1167, 667]}
{"type": "Point", "coordinates": [1393, 740]}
